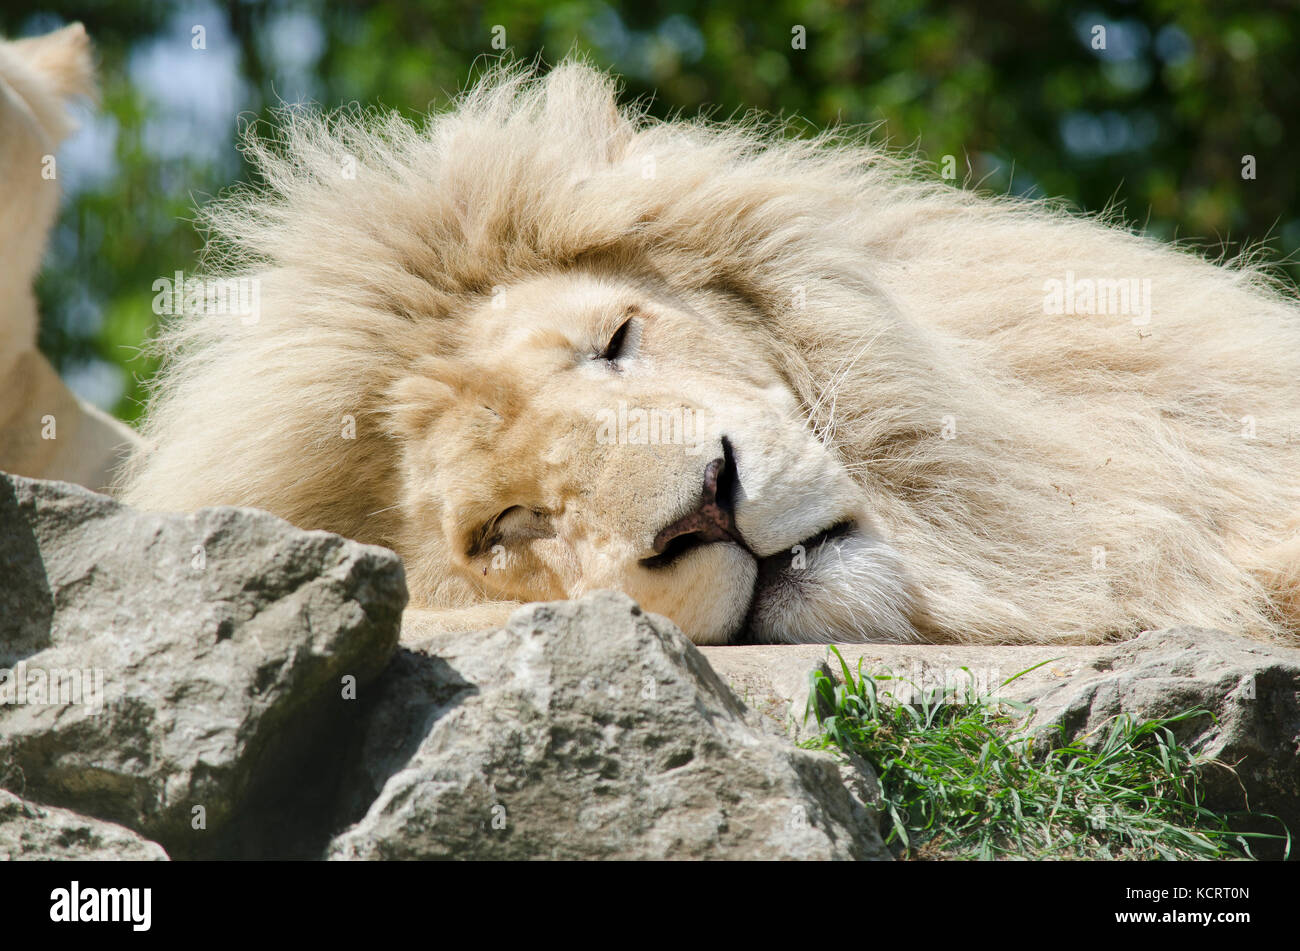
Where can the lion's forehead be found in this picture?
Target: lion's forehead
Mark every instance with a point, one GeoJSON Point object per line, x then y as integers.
{"type": "Point", "coordinates": [538, 309]}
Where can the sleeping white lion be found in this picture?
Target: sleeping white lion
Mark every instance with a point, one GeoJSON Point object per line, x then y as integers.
{"type": "Point", "coordinates": [775, 390]}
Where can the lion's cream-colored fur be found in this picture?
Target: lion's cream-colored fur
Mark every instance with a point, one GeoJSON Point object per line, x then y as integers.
{"type": "Point", "coordinates": [45, 431]}
{"type": "Point", "coordinates": [1046, 477]}
{"type": "Point", "coordinates": [37, 78]}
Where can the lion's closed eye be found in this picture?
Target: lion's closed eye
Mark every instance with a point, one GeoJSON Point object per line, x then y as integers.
{"type": "Point", "coordinates": [623, 342]}
{"type": "Point", "coordinates": [518, 524]}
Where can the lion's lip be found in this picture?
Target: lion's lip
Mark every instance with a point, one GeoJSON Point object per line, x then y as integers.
{"type": "Point", "coordinates": [782, 558]}
{"type": "Point", "coordinates": [838, 530]}
{"type": "Point", "coordinates": [777, 570]}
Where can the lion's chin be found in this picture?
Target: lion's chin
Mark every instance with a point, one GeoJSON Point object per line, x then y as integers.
{"type": "Point", "coordinates": [704, 592]}
{"type": "Point", "coordinates": [841, 585]}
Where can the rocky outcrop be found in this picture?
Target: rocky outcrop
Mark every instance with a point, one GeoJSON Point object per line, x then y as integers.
{"type": "Point", "coordinates": [588, 729]}
{"type": "Point", "coordinates": [32, 831]}
{"type": "Point", "coordinates": [174, 673]}
{"type": "Point", "coordinates": [774, 679]}
{"type": "Point", "coordinates": [1249, 690]}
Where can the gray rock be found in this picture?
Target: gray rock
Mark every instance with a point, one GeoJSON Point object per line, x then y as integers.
{"type": "Point", "coordinates": [1252, 693]}
{"type": "Point", "coordinates": [774, 679]}
{"type": "Point", "coordinates": [208, 651]}
{"type": "Point", "coordinates": [772, 683]}
{"type": "Point", "coordinates": [587, 729]}
{"type": "Point", "coordinates": [1251, 689]}
{"type": "Point", "coordinates": [29, 831]}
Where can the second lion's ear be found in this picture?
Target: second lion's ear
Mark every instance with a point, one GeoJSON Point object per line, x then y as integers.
{"type": "Point", "coordinates": [52, 69]}
{"type": "Point", "coordinates": [64, 58]}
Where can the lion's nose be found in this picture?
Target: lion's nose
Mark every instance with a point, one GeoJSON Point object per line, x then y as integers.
{"type": "Point", "coordinates": [713, 520]}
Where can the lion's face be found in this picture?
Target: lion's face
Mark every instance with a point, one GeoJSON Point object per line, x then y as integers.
{"type": "Point", "coordinates": [592, 433]}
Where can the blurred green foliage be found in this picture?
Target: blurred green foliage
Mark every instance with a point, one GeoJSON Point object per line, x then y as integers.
{"type": "Point", "coordinates": [1157, 123]}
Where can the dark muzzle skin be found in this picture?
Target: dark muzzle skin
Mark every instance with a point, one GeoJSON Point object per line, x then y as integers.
{"type": "Point", "coordinates": [713, 519]}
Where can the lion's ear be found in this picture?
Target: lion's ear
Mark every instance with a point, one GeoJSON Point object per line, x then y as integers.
{"type": "Point", "coordinates": [414, 402]}
{"type": "Point", "coordinates": [436, 385]}
{"type": "Point", "coordinates": [63, 58]}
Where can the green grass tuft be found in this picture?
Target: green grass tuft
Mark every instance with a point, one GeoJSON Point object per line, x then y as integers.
{"type": "Point", "coordinates": [962, 778]}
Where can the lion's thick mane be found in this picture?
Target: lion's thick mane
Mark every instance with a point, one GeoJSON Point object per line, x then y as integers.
{"type": "Point", "coordinates": [1048, 477]}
